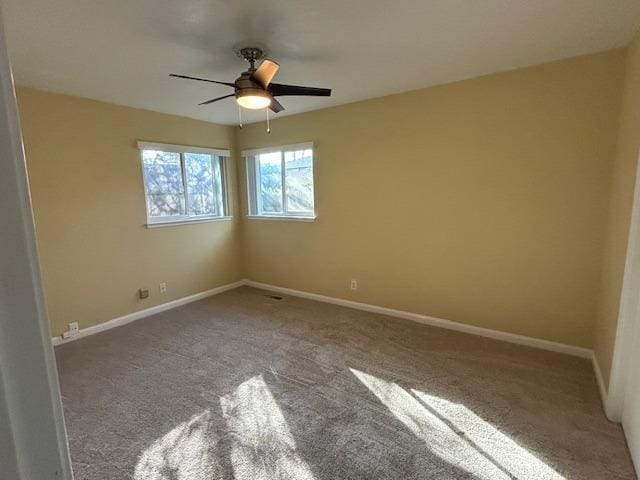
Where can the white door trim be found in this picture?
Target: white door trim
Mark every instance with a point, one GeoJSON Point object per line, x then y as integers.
{"type": "Point", "coordinates": [33, 442]}
{"type": "Point", "coordinates": [627, 314]}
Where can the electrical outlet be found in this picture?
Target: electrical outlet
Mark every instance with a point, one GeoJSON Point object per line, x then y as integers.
{"type": "Point", "coordinates": [354, 284]}
{"type": "Point", "coordinates": [143, 293]}
{"type": "Point", "coordinates": [74, 328]}
{"type": "Point", "coordinates": [163, 287]}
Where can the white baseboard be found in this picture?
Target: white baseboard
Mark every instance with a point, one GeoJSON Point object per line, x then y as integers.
{"type": "Point", "coordinates": [416, 317]}
{"type": "Point", "coordinates": [116, 322]}
{"type": "Point", "coordinates": [433, 321]}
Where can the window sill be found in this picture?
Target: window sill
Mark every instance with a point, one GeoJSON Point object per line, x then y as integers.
{"type": "Point", "coordinates": [173, 223]}
{"type": "Point", "coordinates": [282, 217]}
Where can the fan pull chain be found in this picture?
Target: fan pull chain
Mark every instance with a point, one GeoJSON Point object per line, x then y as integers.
{"type": "Point", "coordinates": [268, 126]}
{"type": "Point", "coordinates": [240, 116]}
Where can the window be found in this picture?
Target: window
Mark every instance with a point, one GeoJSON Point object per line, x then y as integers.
{"type": "Point", "coordinates": [183, 184]}
{"type": "Point", "coordinates": [280, 182]}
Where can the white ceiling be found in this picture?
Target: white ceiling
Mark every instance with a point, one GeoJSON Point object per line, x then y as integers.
{"type": "Point", "coordinates": [122, 51]}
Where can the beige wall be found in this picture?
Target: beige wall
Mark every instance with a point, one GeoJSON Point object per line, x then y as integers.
{"type": "Point", "coordinates": [482, 201]}
{"type": "Point", "coordinates": [88, 201]}
{"type": "Point", "coordinates": [621, 202]}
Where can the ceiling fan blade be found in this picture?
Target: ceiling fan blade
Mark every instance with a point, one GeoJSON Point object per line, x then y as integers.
{"type": "Point", "coordinates": [216, 99]}
{"type": "Point", "coordinates": [265, 72]}
{"type": "Point", "coordinates": [275, 106]}
{"type": "Point", "coordinates": [202, 80]}
{"type": "Point", "coordinates": [278, 89]}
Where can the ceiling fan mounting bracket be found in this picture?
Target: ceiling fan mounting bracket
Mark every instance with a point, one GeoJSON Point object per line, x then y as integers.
{"type": "Point", "coordinates": [251, 55]}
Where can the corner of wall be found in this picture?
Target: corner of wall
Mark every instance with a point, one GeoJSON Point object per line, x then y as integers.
{"type": "Point", "coordinates": [239, 202]}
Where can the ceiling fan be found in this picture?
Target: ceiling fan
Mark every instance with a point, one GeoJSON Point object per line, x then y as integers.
{"type": "Point", "coordinates": [254, 89]}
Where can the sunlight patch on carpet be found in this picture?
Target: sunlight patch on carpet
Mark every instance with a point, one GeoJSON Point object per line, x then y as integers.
{"type": "Point", "coordinates": [262, 447]}
{"type": "Point", "coordinates": [457, 435]}
{"type": "Point", "coordinates": [185, 453]}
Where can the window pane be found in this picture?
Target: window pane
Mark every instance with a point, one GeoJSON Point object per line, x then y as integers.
{"type": "Point", "coordinates": [270, 182]}
{"type": "Point", "coordinates": [299, 181]}
{"type": "Point", "coordinates": [163, 182]}
{"type": "Point", "coordinates": [200, 177]}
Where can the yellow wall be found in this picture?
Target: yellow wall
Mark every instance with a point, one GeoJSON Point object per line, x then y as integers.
{"type": "Point", "coordinates": [88, 200]}
{"type": "Point", "coordinates": [482, 201]}
{"type": "Point", "coordinates": [621, 202]}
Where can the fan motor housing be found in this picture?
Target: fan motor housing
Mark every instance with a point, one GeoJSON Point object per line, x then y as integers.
{"type": "Point", "coordinates": [244, 82]}
{"type": "Point", "coordinates": [260, 92]}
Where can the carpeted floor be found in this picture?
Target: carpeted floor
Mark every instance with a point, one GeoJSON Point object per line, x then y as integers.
{"type": "Point", "coordinates": [245, 386]}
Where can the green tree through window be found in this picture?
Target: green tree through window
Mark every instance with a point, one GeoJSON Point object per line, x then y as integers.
{"type": "Point", "coordinates": [182, 185]}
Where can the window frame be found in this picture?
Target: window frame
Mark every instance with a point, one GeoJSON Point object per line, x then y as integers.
{"type": "Point", "coordinates": [219, 155]}
{"type": "Point", "coordinates": [253, 180]}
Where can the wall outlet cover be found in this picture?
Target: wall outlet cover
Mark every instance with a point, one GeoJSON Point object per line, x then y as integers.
{"type": "Point", "coordinates": [74, 328]}
{"type": "Point", "coordinates": [143, 293]}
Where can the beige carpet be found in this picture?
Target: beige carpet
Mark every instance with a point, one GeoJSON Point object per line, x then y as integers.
{"type": "Point", "coordinates": [245, 386]}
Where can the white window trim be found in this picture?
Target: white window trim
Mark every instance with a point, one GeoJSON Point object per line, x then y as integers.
{"type": "Point", "coordinates": [187, 221]}
{"type": "Point", "coordinates": [220, 154]}
{"type": "Point", "coordinates": [293, 218]}
{"type": "Point", "coordinates": [169, 147]}
{"type": "Point", "coordinates": [252, 192]}
{"type": "Point", "coordinates": [294, 146]}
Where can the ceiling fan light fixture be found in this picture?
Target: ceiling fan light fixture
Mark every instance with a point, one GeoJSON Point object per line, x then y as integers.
{"type": "Point", "coordinates": [253, 99]}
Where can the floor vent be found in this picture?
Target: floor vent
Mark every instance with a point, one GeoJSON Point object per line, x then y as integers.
{"type": "Point", "coordinates": [275, 297]}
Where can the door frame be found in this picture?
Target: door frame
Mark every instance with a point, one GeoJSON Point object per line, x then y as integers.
{"type": "Point", "coordinates": [33, 441]}
{"type": "Point", "coordinates": [628, 328]}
